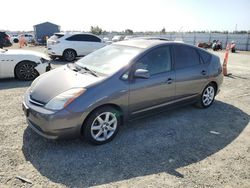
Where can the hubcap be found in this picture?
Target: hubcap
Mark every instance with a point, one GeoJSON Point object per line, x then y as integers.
{"type": "Point", "coordinates": [104, 126]}
{"type": "Point", "coordinates": [70, 55]}
{"type": "Point", "coordinates": [208, 96]}
{"type": "Point", "coordinates": [27, 71]}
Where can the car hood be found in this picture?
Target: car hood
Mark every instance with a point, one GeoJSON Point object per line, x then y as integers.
{"type": "Point", "coordinates": [27, 52]}
{"type": "Point", "coordinates": [57, 81]}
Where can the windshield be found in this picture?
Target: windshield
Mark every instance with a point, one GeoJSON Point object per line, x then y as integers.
{"type": "Point", "coordinates": [109, 59]}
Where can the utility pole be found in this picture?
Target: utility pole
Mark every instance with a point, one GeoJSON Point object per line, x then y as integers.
{"type": "Point", "coordinates": [235, 30]}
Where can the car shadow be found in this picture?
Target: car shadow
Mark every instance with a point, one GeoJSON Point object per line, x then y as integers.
{"type": "Point", "coordinates": [160, 143]}
{"type": "Point", "coordinates": [10, 83]}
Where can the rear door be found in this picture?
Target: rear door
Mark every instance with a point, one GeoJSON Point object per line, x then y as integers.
{"type": "Point", "coordinates": [159, 88]}
{"type": "Point", "coordinates": [84, 43]}
{"type": "Point", "coordinates": [190, 73]}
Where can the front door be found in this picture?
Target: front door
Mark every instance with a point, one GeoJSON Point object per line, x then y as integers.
{"type": "Point", "coordinates": [159, 88]}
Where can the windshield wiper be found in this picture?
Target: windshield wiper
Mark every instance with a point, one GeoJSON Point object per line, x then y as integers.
{"type": "Point", "coordinates": [78, 68]}
{"type": "Point", "coordinates": [86, 69]}
{"type": "Point", "coordinates": [90, 71]}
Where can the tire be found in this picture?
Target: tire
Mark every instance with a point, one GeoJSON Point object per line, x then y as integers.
{"type": "Point", "coordinates": [16, 40]}
{"type": "Point", "coordinates": [69, 55]}
{"type": "Point", "coordinates": [26, 71]}
{"type": "Point", "coordinates": [102, 125]}
{"type": "Point", "coordinates": [207, 97]}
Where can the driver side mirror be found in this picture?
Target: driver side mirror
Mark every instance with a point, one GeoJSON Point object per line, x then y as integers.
{"type": "Point", "coordinates": [141, 73]}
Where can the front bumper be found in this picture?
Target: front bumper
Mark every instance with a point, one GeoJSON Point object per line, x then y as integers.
{"type": "Point", "coordinates": [43, 67]}
{"type": "Point", "coordinates": [49, 124]}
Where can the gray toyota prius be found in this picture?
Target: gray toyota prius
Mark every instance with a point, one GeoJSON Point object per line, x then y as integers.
{"type": "Point", "coordinates": [95, 95]}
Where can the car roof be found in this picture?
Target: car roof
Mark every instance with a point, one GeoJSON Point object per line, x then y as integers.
{"type": "Point", "coordinates": [73, 33]}
{"type": "Point", "coordinates": [153, 38]}
{"type": "Point", "coordinates": [144, 43]}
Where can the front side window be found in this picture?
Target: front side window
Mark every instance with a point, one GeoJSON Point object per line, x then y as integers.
{"type": "Point", "coordinates": [90, 38]}
{"type": "Point", "coordinates": [157, 61]}
{"type": "Point", "coordinates": [185, 56]}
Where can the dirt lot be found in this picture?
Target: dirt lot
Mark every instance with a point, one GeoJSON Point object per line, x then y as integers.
{"type": "Point", "coordinates": [185, 147]}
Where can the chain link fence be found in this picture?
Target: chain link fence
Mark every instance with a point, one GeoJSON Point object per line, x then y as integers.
{"type": "Point", "coordinates": [242, 41]}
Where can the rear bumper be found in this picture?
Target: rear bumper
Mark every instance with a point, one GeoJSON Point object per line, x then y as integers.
{"type": "Point", "coordinates": [54, 51]}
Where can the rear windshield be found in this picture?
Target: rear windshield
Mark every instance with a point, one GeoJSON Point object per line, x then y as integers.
{"type": "Point", "coordinates": [56, 36]}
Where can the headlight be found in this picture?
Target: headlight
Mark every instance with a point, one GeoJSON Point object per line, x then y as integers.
{"type": "Point", "coordinates": [64, 99]}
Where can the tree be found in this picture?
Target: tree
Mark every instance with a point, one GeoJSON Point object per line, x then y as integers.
{"type": "Point", "coordinates": [96, 30]}
{"type": "Point", "coordinates": [163, 31]}
{"type": "Point", "coordinates": [129, 32]}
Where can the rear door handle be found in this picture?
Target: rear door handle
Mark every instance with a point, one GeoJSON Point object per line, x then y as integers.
{"type": "Point", "coordinates": [203, 72]}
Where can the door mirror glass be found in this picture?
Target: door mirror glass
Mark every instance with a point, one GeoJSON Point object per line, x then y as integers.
{"type": "Point", "coordinates": [142, 73]}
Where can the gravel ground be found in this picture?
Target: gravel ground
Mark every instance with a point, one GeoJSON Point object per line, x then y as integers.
{"type": "Point", "coordinates": [184, 147]}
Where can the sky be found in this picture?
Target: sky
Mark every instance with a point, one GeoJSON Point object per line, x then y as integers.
{"type": "Point", "coordinates": [119, 15]}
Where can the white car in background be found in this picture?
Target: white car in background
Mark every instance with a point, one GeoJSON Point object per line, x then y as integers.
{"type": "Point", "coordinates": [128, 37]}
{"type": "Point", "coordinates": [23, 64]}
{"type": "Point", "coordinates": [71, 45]}
{"type": "Point", "coordinates": [117, 38]}
{"type": "Point", "coordinates": [28, 38]}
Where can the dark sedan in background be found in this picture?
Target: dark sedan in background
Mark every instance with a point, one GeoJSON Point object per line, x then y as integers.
{"type": "Point", "coordinates": [95, 95]}
{"type": "Point", "coordinates": [4, 40]}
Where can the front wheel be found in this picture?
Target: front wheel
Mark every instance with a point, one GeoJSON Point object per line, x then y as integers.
{"type": "Point", "coordinates": [26, 71]}
{"type": "Point", "coordinates": [207, 96]}
{"type": "Point", "coordinates": [102, 125]}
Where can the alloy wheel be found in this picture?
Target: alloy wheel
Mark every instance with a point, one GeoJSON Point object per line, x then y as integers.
{"type": "Point", "coordinates": [28, 72]}
{"type": "Point", "coordinates": [208, 95]}
{"type": "Point", "coordinates": [104, 126]}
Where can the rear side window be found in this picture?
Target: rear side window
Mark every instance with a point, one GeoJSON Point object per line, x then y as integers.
{"type": "Point", "coordinates": [86, 38]}
{"type": "Point", "coordinates": [185, 56]}
{"type": "Point", "coordinates": [205, 57]}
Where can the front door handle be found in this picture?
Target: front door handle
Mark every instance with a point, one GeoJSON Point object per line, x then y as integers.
{"type": "Point", "coordinates": [203, 72]}
{"type": "Point", "coordinates": [169, 81]}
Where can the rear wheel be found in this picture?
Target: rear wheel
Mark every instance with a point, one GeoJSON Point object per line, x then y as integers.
{"type": "Point", "coordinates": [102, 125]}
{"type": "Point", "coordinates": [69, 55]}
{"type": "Point", "coordinates": [207, 96]}
{"type": "Point", "coordinates": [26, 71]}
